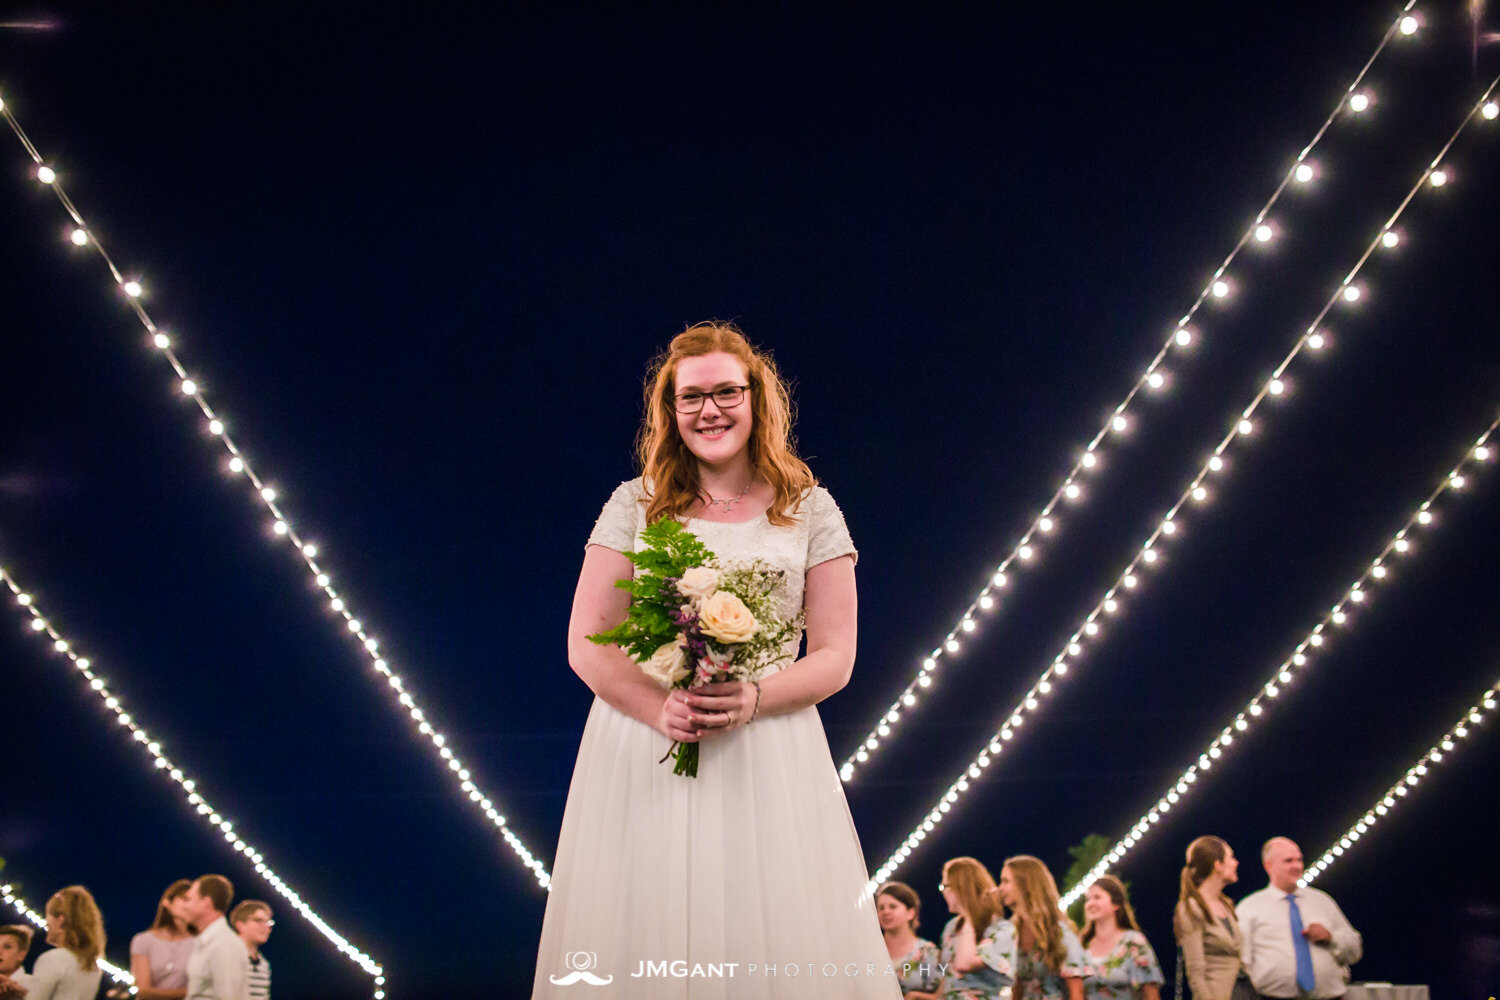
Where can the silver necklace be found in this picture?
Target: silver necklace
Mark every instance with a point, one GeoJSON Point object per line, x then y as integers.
{"type": "Point", "coordinates": [728, 505]}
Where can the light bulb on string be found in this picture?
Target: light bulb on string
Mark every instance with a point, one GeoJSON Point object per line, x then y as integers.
{"type": "Point", "coordinates": [1264, 233]}
{"type": "Point", "coordinates": [1359, 102]}
{"type": "Point", "coordinates": [1254, 710]}
{"type": "Point", "coordinates": [1409, 24]}
{"type": "Point", "coordinates": [1305, 169]}
{"type": "Point", "coordinates": [160, 762]}
{"type": "Point", "coordinates": [281, 526]}
{"type": "Point", "coordinates": [1439, 177]}
{"type": "Point", "coordinates": [1386, 803]}
{"type": "Point", "coordinates": [1490, 111]}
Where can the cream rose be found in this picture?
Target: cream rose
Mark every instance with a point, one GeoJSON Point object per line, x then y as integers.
{"type": "Point", "coordinates": [725, 617]}
{"type": "Point", "coordinates": [699, 581]}
{"type": "Point", "coordinates": [667, 665]}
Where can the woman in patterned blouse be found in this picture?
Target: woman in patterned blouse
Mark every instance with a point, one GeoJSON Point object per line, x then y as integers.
{"type": "Point", "coordinates": [914, 959]}
{"type": "Point", "coordinates": [969, 890]}
{"type": "Point", "coordinates": [1038, 944]}
{"type": "Point", "coordinates": [1124, 966]}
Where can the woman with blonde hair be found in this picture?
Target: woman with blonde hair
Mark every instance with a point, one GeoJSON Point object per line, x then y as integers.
{"type": "Point", "coordinates": [969, 890]}
{"type": "Point", "coordinates": [914, 959]}
{"type": "Point", "coordinates": [1124, 964]}
{"type": "Point", "coordinates": [75, 929]}
{"type": "Point", "coordinates": [1205, 924]}
{"type": "Point", "coordinates": [1038, 945]}
{"type": "Point", "coordinates": [159, 955]}
{"type": "Point", "coordinates": [755, 861]}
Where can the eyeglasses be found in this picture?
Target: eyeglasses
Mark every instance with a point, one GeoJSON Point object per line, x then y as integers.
{"type": "Point", "coordinates": [724, 397]}
{"type": "Point", "coordinates": [943, 887]}
{"type": "Point", "coordinates": [263, 920]}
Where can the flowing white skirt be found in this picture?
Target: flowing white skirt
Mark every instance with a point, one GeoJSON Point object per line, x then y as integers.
{"type": "Point", "coordinates": [745, 883]}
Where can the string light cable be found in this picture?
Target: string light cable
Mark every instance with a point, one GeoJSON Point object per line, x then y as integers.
{"type": "Point", "coordinates": [1156, 377]}
{"type": "Point", "coordinates": [1112, 604]}
{"type": "Point", "coordinates": [1461, 730]}
{"type": "Point", "coordinates": [8, 893]}
{"type": "Point", "coordinates": [42, 627]}
{"type": "Point", "coordinates": [281, 527]}
{"type": "Point", "coordinates": [1378, 572]}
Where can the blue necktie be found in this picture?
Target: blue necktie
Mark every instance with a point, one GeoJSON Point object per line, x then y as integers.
{"type": "Point", "coordinates": [1301, 949]}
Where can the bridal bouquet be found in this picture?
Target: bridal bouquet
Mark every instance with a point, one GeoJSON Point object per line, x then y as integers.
{"type": "Point", "coordinates": [696, 620]}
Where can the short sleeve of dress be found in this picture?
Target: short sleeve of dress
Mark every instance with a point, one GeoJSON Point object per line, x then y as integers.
{"type": "Point", "coordinates": [1076, 962]}
{"type": "Point", "coordinates": [828, 535]}
{"type": "Point", "coordinates": [1140, 960]}
{"type": "Point", "coordinates": [141, 943]}
{"type": "Point", "coordinates": [615, 528]}
{"type": "Point", "coordinates": [997, 947]}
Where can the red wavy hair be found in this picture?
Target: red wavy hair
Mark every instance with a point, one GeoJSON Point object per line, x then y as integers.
{"type": "Point", "coordinates": [670, 470]}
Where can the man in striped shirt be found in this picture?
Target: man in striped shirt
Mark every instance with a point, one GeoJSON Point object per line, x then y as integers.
{"type": "Point", "coordinates": [252, 920]}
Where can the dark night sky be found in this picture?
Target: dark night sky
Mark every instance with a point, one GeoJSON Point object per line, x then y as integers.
{"type": "Point", "coordinates": [420, 261]}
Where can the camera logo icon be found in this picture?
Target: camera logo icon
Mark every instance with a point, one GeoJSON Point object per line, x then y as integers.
{"type": "Point", "coordinates": [582, 965]}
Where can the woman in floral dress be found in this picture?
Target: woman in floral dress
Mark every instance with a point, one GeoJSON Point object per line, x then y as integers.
{"type": "Point", "coordinates": [915, 959]}
{"type": "Point", "coordinates": [969, 890]}
{"type": "Point", "coordinates": [1124, 966]}
{"type": "Point", "coordinates": [1037, 946]}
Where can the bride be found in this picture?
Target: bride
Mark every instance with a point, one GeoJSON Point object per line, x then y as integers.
{"type": "Point", "coordinates": [746, 882]}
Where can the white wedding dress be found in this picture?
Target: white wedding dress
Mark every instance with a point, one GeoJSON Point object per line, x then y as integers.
{"type": "Point", "coordinates": [745, 883]}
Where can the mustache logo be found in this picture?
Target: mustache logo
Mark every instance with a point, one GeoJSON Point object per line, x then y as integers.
{"type": "Point", "coordinates": [587, 977]}
{"type": "Point", "coordinates": [581, 962]}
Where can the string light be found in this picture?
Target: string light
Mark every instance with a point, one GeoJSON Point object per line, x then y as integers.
{"type": "Point", "coordinates": [1461, 730]}
{"type": "Point", "coordinates": [160, 761]}
{"type": "Point", "coordinates": [1070, 491]}
{"type": "Point", "coordinates": [281, 527]}
{"type": "Point", "coordinates": [1148, 556]}
{"type": "Point", "coordinates": [1378, 572]}
{"type": "Point", "coordinates": [8, 893]}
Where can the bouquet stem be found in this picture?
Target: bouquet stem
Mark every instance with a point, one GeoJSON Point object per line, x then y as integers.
{"type": "Point", "coordinates": [686, 757]}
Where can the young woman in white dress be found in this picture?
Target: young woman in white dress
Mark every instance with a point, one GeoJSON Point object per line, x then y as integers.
{"type": "Point", "coordinates": [746, 882]}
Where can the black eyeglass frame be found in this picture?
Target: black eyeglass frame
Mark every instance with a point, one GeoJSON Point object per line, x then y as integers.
{"type": "Point", "coordinates": [739, 392]}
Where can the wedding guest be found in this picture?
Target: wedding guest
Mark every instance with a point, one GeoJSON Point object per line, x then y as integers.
{"type": "Point", "coordinates": [969, 890]}
{"type": "Point", "coordinates": [252, 921]}
{"type": "Point", "coordinates": [915, 959]}
{"type": "Point", "coordinates": [159, 955]}
{"type": "Point", "coordinates": [1205, 924]}
{"type": "Point", "coordinates": [1298, 943]}
{"type": "Point", "coordinates": [15, 942]}
{"type": "Point", "coordinates": [217, 968]}
{"type": "Point", "coordinates": [75, 929]}
{"type": "Point", "coordinates": [1037, 946]}
{"type": "Point", "coordinates": [1124, 965]}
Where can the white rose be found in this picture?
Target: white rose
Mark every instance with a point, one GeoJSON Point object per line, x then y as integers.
{"type": "Point", "coordinates": [699, 581]}
{"type": "Point", "coordinates": [667, 665]}
{"type": "Point", "coordinates": [725, 617]}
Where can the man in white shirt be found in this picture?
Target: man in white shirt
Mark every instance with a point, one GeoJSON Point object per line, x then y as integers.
{"type": "Point", "coordinates": [1297, 943]}
{"type": "Point", "coordinates": [217, 968]}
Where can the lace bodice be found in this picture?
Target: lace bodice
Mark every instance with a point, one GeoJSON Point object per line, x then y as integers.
{"type": "Point", "coordinates": [818, 536]}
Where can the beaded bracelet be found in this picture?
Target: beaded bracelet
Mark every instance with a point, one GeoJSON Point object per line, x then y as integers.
{"type": "Point", "coordinates": [756, 712]}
